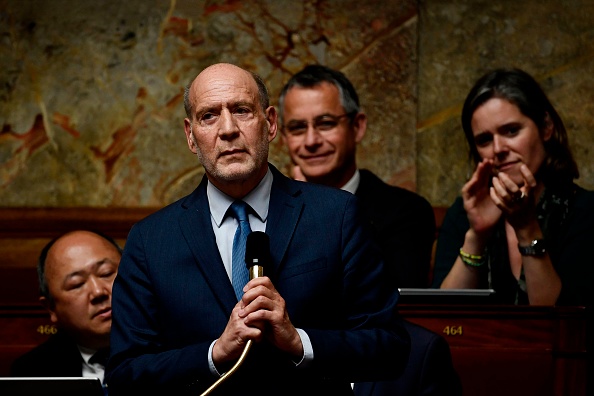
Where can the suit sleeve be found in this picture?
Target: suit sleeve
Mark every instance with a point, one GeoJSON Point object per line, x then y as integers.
{"type": "Point", "coordinates": [138, 352]}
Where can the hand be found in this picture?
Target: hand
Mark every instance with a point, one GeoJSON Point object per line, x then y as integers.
{"type": "Point", "coordinates": [516, 202]}
{"type": "Point", "coordinates": [483, 214]}
{"type": "Point", "coordinates": [232, 342]}
{"type": "Point", "coordinates": [264, 308]}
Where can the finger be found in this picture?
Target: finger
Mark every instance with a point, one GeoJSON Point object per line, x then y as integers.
{"type": "Point", "coordinates": [504, 201]}
{"type": "Point", "coordinates": [256, 287]}
{"type": "Point", "coordinates": [259, 281]}
{"type": "Point", "coordinates": [259, 299]}
{"type": "Point", "coordinates": [484, 171]}
{"type": "Point", "coordinates": [479, 179]}
{"type": "Point", "coordinates": [529, 179]}
{"type": "Point", "coordinates": [235, 334]}
{"type": "Point", "coordinates": [268, 312]}
{"type": "Point", "coordinates": [496, 198]}
{"type": "Point", "coordinates": [257, 324]}
{"type": "Point", "coordinates": [512, 188]}
{"type": "Point", "coordinates": [498, 188]}
{"type": "Point", "coordinates": [245, 330]}
{"type": "Point", "coordinates": [248, 290]}
{"type": "Point", "coordinates": [508, 190]}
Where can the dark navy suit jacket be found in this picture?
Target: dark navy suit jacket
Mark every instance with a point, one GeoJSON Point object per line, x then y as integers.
{"type": "Point", "coordinates": [429, 372]}
{"type": "Point", "coordinates": [57, 357]}
{"type": "Point", "coordinates": [403, 226]}
{"type": "Point", "coordinates": [172, 297]}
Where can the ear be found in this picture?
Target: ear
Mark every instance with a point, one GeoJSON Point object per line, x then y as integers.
{"type": "Point", "coordinates": [548, 129]}
{"type": "Point", "coordinates": [189, 137]}
{"type": "Point", "coordinates": [360, 126]}
{"type": "Point", "coordinates": [48, 304]}
{"type": "Point", "coordinates": [271, 119]}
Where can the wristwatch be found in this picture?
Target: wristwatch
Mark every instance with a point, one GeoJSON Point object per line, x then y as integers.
{"type": "Point", "coordinates": [536, 248]}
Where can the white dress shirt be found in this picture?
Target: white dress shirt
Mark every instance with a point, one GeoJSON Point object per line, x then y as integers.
{"type": "Point", "coordinates": [91, 369]}
{"type": "Point", "coordinates": [353, 184]}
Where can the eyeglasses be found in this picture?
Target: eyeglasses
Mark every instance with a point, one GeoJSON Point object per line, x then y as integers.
{"type": "Point", "coordinates": [322, 124]}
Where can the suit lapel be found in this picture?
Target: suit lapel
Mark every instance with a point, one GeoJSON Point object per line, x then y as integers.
{"type": "Point", "coordinates": [284, 211]}
{"type": "Point", "coordinates": [196, 227]}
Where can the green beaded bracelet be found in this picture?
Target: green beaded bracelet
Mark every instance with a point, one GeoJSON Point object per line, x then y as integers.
{"type": "Point", "coordinates": [473, 260]}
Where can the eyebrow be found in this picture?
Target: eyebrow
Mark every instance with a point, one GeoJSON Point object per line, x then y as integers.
{"type": "Point", "coordinates": [314, 118]}
{"type": "Point", "coordinates": [218, 106]}
{"type": "Point", "coordinates": [501, 128]}
{"type": "Point", "coordinates": [509, 124]}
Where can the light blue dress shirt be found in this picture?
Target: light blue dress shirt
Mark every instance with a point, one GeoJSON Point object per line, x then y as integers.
{"type": "Point", "coordinates": [224, 229]}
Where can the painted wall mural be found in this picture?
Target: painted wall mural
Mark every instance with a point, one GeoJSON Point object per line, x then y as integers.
{"type": "Point", "coordinates": [91, 93]}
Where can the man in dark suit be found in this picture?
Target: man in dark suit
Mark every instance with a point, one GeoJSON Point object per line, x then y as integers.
{"type": "Point", "coordinates": [429, 371]}
{"type": "Point", "coordinates": [320, 317]}
{"type": "Point", "coordinates": [76, 273]}
{"type": "Point", "coordinates": [322, 123]}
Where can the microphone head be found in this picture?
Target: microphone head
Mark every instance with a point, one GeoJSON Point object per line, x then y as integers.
{"type": "Point", "coordinates": [257, 249]}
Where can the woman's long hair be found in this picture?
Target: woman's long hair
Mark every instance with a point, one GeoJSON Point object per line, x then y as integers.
{"type": "Point", "coordinates": [521, 89]}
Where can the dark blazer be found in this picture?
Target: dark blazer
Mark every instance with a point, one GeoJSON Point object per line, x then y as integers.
{"type": "Point", "coordinates": [57, 357]}
{"type": "Point", "coordinates": [403, 225]}
{"type": "Point", "coordinates": [172, 298]}
{"type": "Point", "coordinates": [429, 372]}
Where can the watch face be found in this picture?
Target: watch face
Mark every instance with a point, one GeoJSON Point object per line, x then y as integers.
{"type": "Point", "coordinates": [536, 248]}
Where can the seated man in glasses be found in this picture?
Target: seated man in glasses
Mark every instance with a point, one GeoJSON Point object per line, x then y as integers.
{"type": "Point", "coordinates": [322, 124]}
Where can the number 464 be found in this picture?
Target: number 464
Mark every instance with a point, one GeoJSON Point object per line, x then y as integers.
{"type": "Point", "coordinates": [453, 330]}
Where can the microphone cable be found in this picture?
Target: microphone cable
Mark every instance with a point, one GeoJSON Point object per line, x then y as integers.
{"type": "Point", "coordinates": [233, 369]}
{"type": "Point", "coordinates": [257, 255]}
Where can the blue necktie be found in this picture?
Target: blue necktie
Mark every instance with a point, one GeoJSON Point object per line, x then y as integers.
{"type": "Point", "coordinates": [239, 272]}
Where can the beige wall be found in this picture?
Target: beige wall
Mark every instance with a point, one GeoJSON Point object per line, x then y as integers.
{"type": "Point", "coordinates": [91, 92]}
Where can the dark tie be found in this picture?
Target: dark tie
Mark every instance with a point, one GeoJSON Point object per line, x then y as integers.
{"type": "Point", "coordinates": [239, 272]}
{"type": "Point", "coordinates": [100, 357]}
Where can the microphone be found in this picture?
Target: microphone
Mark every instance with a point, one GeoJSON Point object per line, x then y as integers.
{"type": "Point", "coordinates": [257, 253]}
{"type": "Point", "coordinates": [257, 257]}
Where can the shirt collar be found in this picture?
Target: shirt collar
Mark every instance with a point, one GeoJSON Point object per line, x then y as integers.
{"type": "Point", "coordinates": [258, 199]}
{"type": "Point", "coordinates": [86, 353]}
{"type": "Point", "coordinates": [352, 185]}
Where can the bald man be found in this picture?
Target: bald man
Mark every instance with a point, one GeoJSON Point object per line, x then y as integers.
{"type": "Point", "coordinates": [76, 273]}
{"type": "Point", "coordinates": [320, 317]}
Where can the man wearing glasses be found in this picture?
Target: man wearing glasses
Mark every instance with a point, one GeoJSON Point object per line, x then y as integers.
{"type": "Point", "coordinates": [322, 124]}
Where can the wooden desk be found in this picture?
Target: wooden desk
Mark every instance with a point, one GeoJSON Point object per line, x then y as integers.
{"type": "Point", "coordinates": [21, 329]}
{"type": "Point", "coordinates": [497, 350]}
{"type": "Point", "coordinates": [511, 350]}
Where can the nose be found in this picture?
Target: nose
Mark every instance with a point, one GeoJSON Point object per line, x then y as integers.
{"type": "Point", "coordinates": [312, 137]}
{"type": "Point", "coordinates": [228, 124]}
{"type": "Point", "coordinates": [499, 146]}
{"type": "Point", "coordinates": [100, 289]}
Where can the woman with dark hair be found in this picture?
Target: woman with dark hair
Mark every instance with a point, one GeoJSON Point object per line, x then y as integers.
{"type": "Point", "coordinates": [522, 226]}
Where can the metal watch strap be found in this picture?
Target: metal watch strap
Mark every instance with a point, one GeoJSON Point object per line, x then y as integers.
{"type": "Point", "coordinates": [536, 248]}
